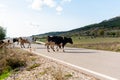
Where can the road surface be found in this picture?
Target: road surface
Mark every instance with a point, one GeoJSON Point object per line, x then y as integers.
{"type": "Point", "coordinates": [102, 63]}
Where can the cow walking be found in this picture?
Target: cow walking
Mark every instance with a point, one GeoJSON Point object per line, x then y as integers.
{"type": "Point", "coordinates": [10, 42]}
{"type": "Point", "coordinates": [59, 41]}
{"type": "Point", "coordinates": [24, 40]}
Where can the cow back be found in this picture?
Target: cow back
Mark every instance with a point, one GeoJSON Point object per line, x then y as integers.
{"type": "Point", "coordinates": [56, 39]}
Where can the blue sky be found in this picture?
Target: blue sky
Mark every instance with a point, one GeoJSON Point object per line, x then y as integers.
{"type": "Point", "coordinates": [30, 17]}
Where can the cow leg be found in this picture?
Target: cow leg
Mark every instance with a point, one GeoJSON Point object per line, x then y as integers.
{"type": "Point", "coordinates": [29, 45]}
{"type": "Point", "coordinates": [52, 47]}
{"type": "Point", "coordinates": [57, 47]}
{"type": "Point", "coordinates": [47, 44]}
{"type": "Point", "coordinates": [22, 45]}
{"type": "Point", "coordinates": [13, 45]}
{"type": "Point", "coordinates": [63, 48]}
{"type": "Point", "coordinates": [17, 42]}
{"type": "Point", "coordinates": [48, 48]}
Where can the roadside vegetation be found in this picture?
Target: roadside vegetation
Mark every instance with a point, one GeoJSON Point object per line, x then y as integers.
{"type": "Point", "coordinates": [17, 64]}
{"type": "Point", "coordinates": [2, 33]}
{"type": "Point", "coordinates": [11, 60]}
{"type": "Point", "coordinates": [99, 43]}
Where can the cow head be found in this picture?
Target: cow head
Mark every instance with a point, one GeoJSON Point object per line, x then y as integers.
{"type": "Point", "coordinates": [1, 41]}
{"type": "Point", "coordinates": [68, 40]}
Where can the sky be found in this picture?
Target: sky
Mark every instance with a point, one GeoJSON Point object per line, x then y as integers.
{"type": "Point", "coordinates": [31, 17]}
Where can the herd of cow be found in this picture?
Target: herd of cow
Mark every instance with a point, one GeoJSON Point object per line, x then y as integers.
{"type": "Point", "coordinates": [52, 41]}
{"type": "Point", "coordinates": [59, 41]}
{"type": "Point", "coordinates": [10, 42]}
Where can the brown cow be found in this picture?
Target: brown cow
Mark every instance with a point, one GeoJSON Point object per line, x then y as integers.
{"type": "Point", "coordinates": [23, 41]}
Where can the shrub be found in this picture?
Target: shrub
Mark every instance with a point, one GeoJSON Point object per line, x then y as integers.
{"type": "Point", "coordinates": [2, 33]}
{"type": "Point", "coordinates": [33, 66]}
{"type": "Point", "coordinates": [15, 62]}
{"type": "Point", "coordinates": [11, 59]}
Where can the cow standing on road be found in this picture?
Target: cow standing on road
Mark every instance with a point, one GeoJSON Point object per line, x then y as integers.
{"type": "Point", "coordinates": [59, 41]}
{"type": "Point", "coordinates": [10, 42]}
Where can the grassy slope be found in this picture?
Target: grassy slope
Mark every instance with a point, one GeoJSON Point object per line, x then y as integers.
{"type": "Point", "coordinates": [87, 40]}
{"type": "Point", "coordinates": [100, 43]}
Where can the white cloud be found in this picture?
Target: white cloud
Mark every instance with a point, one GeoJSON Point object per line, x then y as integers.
{"type": "Point", "coordinates": [59, 9]}
{"type": "Point", "coordinates": [37, 4]}
{"type": "Point", "coordinates": [49, 3]}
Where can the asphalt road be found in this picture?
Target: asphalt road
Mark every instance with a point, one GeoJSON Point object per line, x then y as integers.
{"type": "Point", "coordinates": [104, 63]}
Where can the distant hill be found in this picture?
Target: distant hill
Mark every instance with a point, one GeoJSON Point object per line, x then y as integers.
{"type": "Point", "coordinates": [51, 34]}
{"type": "Point", "coordinates": [109, 27]}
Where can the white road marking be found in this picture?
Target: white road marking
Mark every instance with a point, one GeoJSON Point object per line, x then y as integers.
{"type": "Point", "coordinates": [78, 67]}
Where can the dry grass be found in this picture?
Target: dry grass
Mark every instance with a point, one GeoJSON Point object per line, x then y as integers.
{"type": "Point", "coordinates": [12, 59]}
{"type": "Point", "coordinates": [111, 46]}
{"type": "Point", "coordinates": [99, 43]}
{"type": "Point", "coordinates": [40, 68]}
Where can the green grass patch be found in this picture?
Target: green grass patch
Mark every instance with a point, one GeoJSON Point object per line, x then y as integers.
{"type": "Point", "coordinates": [5, 75]}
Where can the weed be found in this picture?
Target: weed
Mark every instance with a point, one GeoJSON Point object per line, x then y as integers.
{"type": "Point", "coordinates": [68, 75]}
{"type": "Point", "coordinates": [33, 66]}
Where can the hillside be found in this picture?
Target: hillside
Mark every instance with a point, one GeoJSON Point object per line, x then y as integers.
{"type": "Point", "coordinates": [110, 27]}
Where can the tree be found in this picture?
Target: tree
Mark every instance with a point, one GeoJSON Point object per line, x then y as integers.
{"type": "Point", "coordinates": [101, 32]}
{"type": "Point", "coordinates": [2, 33]}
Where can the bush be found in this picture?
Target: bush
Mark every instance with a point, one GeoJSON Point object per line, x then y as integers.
{"type": "Point", "coordinates": [15, 62]}
{"type": "Point", "coordinates": [2, 33]}
{"type": "Point", "coordinates": [11, 59]}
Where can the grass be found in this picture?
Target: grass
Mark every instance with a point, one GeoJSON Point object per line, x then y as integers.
{"type": "Point", "coordinates": [99, 43]}
{"type": "Point", "coordinates": [10, 59]}
{"type": "Point", "coordinates": [33, 66]}
{"type": "Point", "coordinates": [37, 67]}
{"type": "Point", "coordinates": [88, 40]}
{"type": "Point", "coordinates": [5, 75]}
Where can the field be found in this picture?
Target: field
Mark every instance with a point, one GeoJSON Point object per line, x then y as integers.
{"type": "Point", "coordinates": [100, 43]}
{"type": "Point", "coordinates": [88, 40]}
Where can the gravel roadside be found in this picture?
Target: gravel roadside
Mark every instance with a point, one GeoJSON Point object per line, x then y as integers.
{"type": "Point", "coordinates": [41, 68]}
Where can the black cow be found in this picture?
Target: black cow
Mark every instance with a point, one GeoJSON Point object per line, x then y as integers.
{"type": "Point", "coordinates": [1, 43]}
{"type": "Point", "coordinates": [10, 42]}
{"type": "Point", "coordinates": [15, 40]}
{"type": "Point", "coordinates": [59, 41]}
